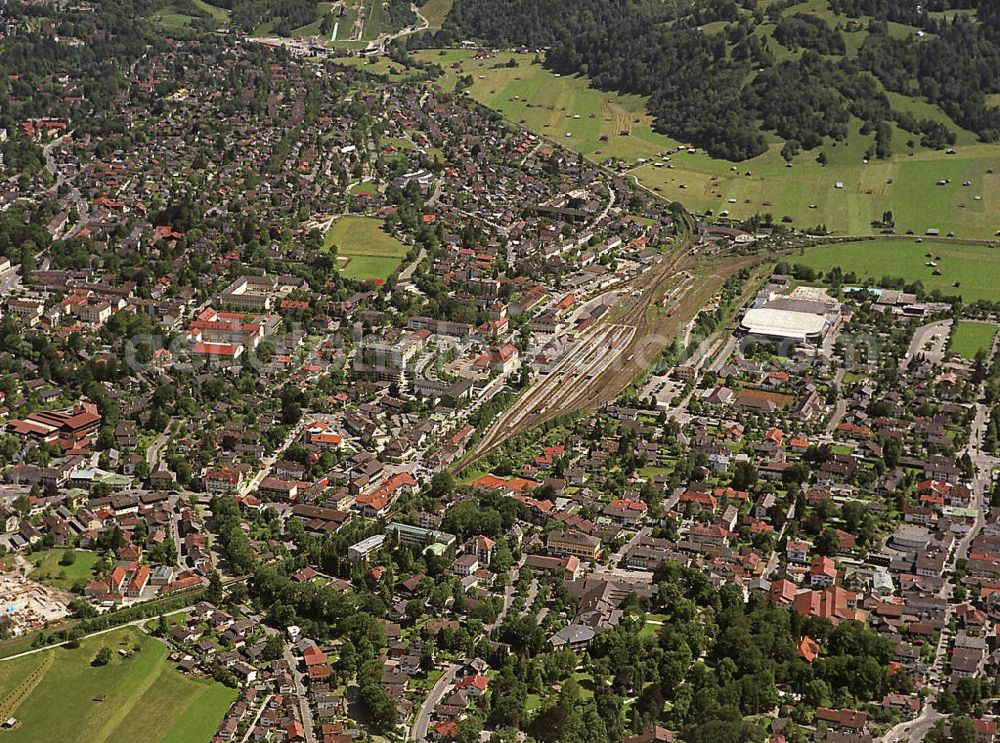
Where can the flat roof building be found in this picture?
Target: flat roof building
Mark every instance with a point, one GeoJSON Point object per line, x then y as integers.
{"type": "Point", "coordinates": [361, 550]}
{"type": "Point", "coordinates": [783, 324]}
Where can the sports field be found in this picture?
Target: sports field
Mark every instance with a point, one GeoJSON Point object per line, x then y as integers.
{"type": "Point", "coordinates": [54, 695]}
{"type": "Point", "coordinates": [968, 338]}
{"type": "Point", "coordinates": [975, 268]}
{"type": "Point", "coordinates": [372, 253]}
{"type": "Point", "coordinates": [845, 195]}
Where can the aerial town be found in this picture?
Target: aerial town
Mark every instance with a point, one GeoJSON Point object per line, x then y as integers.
{"type": "Point", "coordinates": [339, 402]}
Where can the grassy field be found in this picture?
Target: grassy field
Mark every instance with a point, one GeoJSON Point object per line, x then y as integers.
{"type": "Point", "coordinates": [975, 268]}
{"type": "Point", "coordinates": [373, 65]}
{"type": "Point", "coordinates": [49, 571]}
{"type": "Point", "coordinates": [373, 253]}
{"type": "Point", "coordinates": [549, 104]}
{"type": "Point", "coordinates": [968, 338]}
{"type": "Point", "coordinates": [173, 17]}
{"type": "Point", "coordinates": [370, 267]}
{"type": "Point", "coordinates": [145, 698]}
{"type": "Point", "coordinates": [435, 11]}
{"type": "Point", "coordinates": [606, 125]}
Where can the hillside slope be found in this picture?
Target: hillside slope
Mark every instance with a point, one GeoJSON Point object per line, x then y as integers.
{"type": "Point", "coordinates": [732, 77]}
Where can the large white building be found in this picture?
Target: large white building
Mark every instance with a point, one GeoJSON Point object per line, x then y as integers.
{"type": "Point", "coordinates": [804, 316]}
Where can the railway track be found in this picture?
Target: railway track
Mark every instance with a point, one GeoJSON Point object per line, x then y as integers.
{"type": "Point", "coordinates": [610, 355]}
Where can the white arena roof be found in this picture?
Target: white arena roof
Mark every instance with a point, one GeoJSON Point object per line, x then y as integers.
{"type": "Point", "coordinates": [783, 324]}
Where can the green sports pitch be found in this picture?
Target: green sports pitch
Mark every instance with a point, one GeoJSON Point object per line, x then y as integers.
{"type": "Point", "coordinates": [969, 338]}
{"type": "Point", "coordinates": [364, 248]}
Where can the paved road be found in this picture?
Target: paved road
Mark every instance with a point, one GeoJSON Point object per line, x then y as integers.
{"type": "Point", "coordinates": [407, 272]}
{"type": "Point", "coordinates": [134, 623]}
{"type": "Point", "coordinates": [254, 482]}
{"type": "Point", "coordinates": [914, 730]}
{"type": "Point", "coordinates": [300, 689]}
{"type": "Point", "coordinates": [260, 711]}
{"type": "Point", "coordinates": [840, 407]}
{"type": "Point", "coordinates": [153, 453]}
{"type": "Point", "coordinates": [419, 730]}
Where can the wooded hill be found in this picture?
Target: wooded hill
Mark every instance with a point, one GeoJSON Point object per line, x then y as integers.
{"type": "Point", "coordinates": [727, 75]}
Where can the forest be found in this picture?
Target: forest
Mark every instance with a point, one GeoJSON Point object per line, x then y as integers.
{"type": "Point", "coordinates": [726, 91]}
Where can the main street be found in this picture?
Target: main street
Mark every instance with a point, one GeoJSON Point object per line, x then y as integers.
{"type": "Point", "coordinates": [420, 725]}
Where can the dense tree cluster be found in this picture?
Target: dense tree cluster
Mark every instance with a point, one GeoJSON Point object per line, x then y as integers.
{"type": "Point", "coordinates": [285, 15]}
{"type": "Point", "coordinates": [809, 31]}
{"type": "Point", "coordinates": [541, 23]}
{"type": "Point", "coordinates": [694, 88]}
{"type": "Point", "coordinates": [955, 70]}
{"type": "Point", "coordinates": [713, 673]}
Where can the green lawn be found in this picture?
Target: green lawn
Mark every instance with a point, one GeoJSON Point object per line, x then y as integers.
{"type": "Point", "coordinates": [370, 267]}
{"type": "Point", "coordinates": [968, 338]}
{"type": "Point", "coordinates": [807, 192]}
{"type": "Point", "coordinates": [49, 571]}
{"type": "Point", "coordinates": [145, 698]}
{"type": "Point", "coordinates": [372, 252]}
{"type": "Point", "coordinates": [374, 66]}
{"type": "Point", "coordinates": [364, 187]}
{"type": "Point", "coordinates": [975, 268]}
{"type": "Point", "coordinates": [363, 236]}
{"type": "Point", "coordinates": [650, 630]}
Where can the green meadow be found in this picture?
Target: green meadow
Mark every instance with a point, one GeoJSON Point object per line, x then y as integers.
{"type": "Point", "coordinates": [372, 252]}
{"type": "Point", "coordinates": [975, 268]}
{"type": "Point", "coordinates": [139, 697]}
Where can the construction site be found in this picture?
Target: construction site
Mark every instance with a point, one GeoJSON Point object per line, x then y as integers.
{"type": "Point", "coordinates": [26, 603]}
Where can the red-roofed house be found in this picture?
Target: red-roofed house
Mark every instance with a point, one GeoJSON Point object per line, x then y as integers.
{"type": "Point", "coordinates": [473, 685]}
{"type": "Point", "coordinates": [313, 656]}
{"type": "Point", "coordinates": [808, 649]}
{"type": "Point", "coordinates": [822, 572]}
{"type": "Point", "coordinates": [833, 603]}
